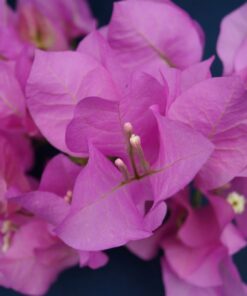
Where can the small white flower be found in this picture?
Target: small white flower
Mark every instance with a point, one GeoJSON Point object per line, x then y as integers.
{"type": "Point", "coordinates": [237, 201]}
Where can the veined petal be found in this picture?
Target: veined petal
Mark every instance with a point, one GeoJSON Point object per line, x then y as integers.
{"type": "Point", "coordinates": [103, 211]}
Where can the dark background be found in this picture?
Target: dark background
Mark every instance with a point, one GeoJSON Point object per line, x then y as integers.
{"type": "Point", "coordinates": [126, 274]}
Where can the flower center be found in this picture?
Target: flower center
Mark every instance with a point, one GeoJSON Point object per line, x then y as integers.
{"type": "Point", "coordinates": [138, 162]}
{"type": "Point", "coordinates": [237, 201]}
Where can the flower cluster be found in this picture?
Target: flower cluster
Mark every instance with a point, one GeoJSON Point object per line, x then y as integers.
{"type": "Point", "coordinates": [151, 149]}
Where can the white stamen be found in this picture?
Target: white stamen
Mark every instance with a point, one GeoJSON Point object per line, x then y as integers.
{"type": "Point", "coordinates": [119, 163]}
{"type": "Point", "coordinates": [68, 196]}
{"type": "Point", "coordinates": [237, 201]}
{"type": "Point", "coordinates": [135, 141]}
{"type": "Point", "coordinates": [6, 242]}
{"type": "Point", "coordinates": [6, 226]}
{"type": "Point", "coordinates": [122, 168]}
{"type": "Point", "coordinates": [134, 149]}
{"type": "Point", "coordinates": [128, 128]}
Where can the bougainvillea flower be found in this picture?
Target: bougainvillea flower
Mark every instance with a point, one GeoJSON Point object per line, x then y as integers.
{"type": "Point", "coordinates": [101, 121]}
{"type": "Point", "coordinates": [50, 26]}
{"type": "Point", "coordinates": [231, 283]}
{"type": "Point", "coordinates": [195, 240]}
{"type": "Point", "coordinates": [235, 193]}
{"type": "Point", "coordinates": [217, 108]}
{"type": "Point", "coordinates": [26, 245]}
{"type": "Point", "coordinates": [36, 28]}
{"type": "Point", "coordinates": [156, 148]}
{"type": "Point", "coordinates": [205, 238]}
{"type": "Point", "coordinates": [132, 36]}
{"type": "Point", "coordinates": [232, 42]}
{"type": "Point", "coordinates": [51, 202]}
{"type": "Point", "coordinates": [73, 18]}
{"type": "Point", "coordinates": [28, 249]}
{"type": "Point", "coordinates": [183, 222]}
{"type": "Point", "coordinates": [63, 78]}
{"type": "Point", "coordinates": [145, 165]}
{"type": "Point", "coordinates": [106, 215]}
{"type": "Point", "coordinates": [53, 25]}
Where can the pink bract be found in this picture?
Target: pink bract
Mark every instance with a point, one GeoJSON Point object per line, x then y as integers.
{"type": "Point", "coordinates": [232, 42]}
{"type": "Point", "coordinates": [126, 140]}
{"type": "Point", "coordinates": [131, 35]}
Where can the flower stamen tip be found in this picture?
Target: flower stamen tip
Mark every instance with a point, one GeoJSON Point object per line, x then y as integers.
{"type": "Point", "coordinates": [135, 141]}
{"type": "Point", "coordinates": [68, 196]}
{"type": "Point", "coordinates": [128, 128]}
{"type": "Point", "coordinates": [237, 201]}
{"type": "Point", "coordinates": [122, 168]}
